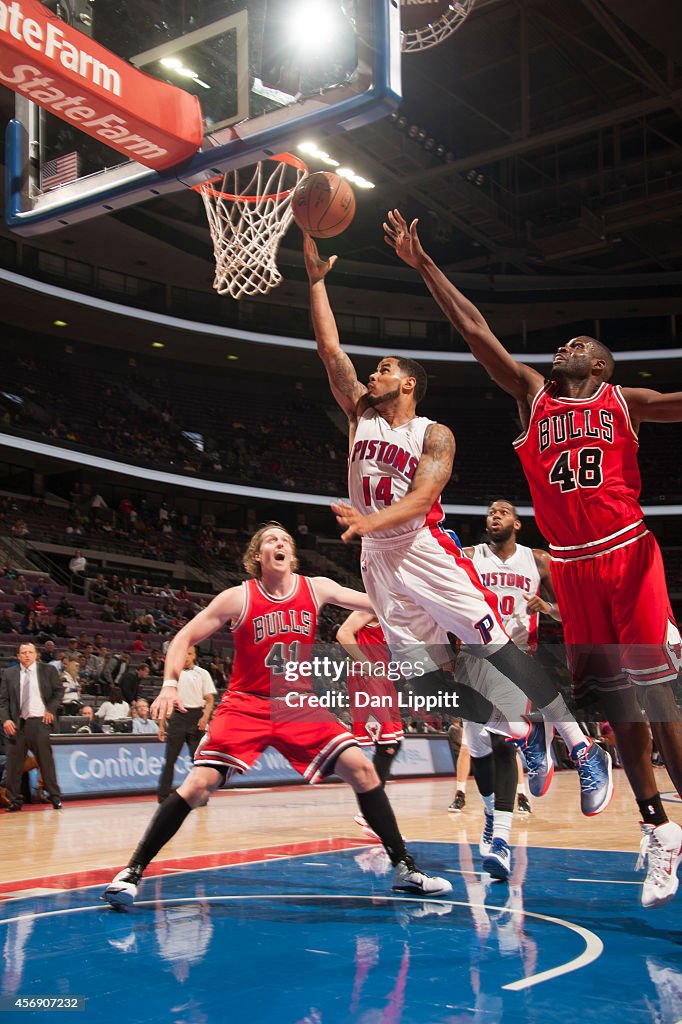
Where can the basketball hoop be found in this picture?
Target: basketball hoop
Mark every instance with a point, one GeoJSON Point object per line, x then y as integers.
{"type": "Point", "coordinates": [248, 221]}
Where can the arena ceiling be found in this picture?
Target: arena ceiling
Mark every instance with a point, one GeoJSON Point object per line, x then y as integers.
{"type": "Point", "coordinates": [542, 140]}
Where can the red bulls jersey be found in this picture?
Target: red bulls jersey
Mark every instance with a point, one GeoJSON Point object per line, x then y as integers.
{"type": "Point", "coordinates": [270, 633]}
{"type": "Point", "coordinates": [381, 464]}
{"type": "Point", "coordinates": [580, 459]}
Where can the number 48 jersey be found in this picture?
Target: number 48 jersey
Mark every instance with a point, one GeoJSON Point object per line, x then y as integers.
{"type": "Point", "coordinates": [580, 459]}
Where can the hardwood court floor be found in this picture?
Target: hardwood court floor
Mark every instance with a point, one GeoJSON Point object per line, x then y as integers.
{"type": "Point", "coordinates": [101, 834]}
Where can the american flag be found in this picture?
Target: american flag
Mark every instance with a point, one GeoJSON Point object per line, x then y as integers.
{"type": "Point", "coordinates": [59, 171]}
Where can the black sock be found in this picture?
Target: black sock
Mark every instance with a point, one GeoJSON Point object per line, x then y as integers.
{"type": "Point", "coordinates": [163, 826]}
{"type": "Point", "coordinates": [383, 758]}
{"type": "Point", "coordinates": [506, 774]}
{"type": "Point", "coordinates": [652, 811]}
{"type": "Point", "coordinates": [381, 819]}
{"type": "Point", "coordinates": [483, 771]}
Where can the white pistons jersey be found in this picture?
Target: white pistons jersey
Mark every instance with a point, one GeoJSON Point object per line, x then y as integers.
{"type": "Point", "coordinates": [512, 581]}
{"type": "Point", "coordinates": [381, 465]}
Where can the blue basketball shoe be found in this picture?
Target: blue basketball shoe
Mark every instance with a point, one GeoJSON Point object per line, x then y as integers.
{"type": "Point", "coordinates": [537, 750]}
{"type": "Point", "coordinates": [498, 861]}
{"type": "Point", "coordinates": [486, 839]}
{"type": "Point", "coordinates": [595, 772]}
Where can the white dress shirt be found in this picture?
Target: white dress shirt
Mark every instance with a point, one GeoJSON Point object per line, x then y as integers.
{"type": "Point", "coordinates": [30, 701]}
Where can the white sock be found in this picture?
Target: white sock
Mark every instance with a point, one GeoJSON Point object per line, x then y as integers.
{"type": "Point", "coordinates": [522, 788]}
{"type": "Point", "coordinates": [489, 803]}
{"type": "Point", "coordinates": [502, 825]}
{"type": "Point", "coordinates": [558, 715]}
{"type": "Point", "coordinates": [461, 786]}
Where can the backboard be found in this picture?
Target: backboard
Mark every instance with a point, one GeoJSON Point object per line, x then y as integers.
{"type": "Point", "coordinates": [268, 74]}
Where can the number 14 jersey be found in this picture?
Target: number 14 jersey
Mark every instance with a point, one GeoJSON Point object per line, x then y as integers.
{"type": "Point", "coordinates": [580, 459]}
{"type": "Point", "coordinates": [381, 465]}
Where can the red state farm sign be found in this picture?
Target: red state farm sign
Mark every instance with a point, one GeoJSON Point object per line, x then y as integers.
{"type": "Point", "coordinates": [86, 85]}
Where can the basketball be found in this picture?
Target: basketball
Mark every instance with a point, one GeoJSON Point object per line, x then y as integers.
{"type": "Point", "coordinates": [323, 205]}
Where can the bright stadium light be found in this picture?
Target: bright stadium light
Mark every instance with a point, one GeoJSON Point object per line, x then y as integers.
{"type": "Point", "coordinates": [312, 27]}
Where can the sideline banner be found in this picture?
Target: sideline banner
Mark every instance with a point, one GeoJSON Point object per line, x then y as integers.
{"type": "Point", "coordinates": [83, 83]}
{"type": "Point", "coordinates": [133, 765]}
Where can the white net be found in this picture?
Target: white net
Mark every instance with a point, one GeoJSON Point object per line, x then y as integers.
{"type": "Point", "coordinates": [248, 214]}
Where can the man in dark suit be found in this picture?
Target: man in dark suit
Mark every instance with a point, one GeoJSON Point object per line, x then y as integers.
{"type": "Point", "coordinates": [30, 694]}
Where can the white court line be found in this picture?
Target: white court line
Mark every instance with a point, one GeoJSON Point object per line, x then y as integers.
{"type": "Point", "coordinates": [604, 881]}
{"type": "Point", "coordinates": [594, 946]}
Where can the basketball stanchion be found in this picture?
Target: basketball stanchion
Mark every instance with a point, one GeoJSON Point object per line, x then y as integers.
{"type": "Point", "coordinates": [248, 220]}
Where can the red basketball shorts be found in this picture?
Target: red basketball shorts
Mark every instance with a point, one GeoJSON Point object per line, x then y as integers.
{"type": "Point", "coordinates": [617, 620]}
{"type": "Point", "coordinates": [374, 710]}
{"type": "Point", "coordinates": [245, 725]}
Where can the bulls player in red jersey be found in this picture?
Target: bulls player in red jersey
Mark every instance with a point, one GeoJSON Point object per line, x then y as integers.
{"type": "Point", "coordinates": [579, 453]}
{"type": "Point", "coordinates": [274, 618]}
{"type": "Point", "coordinates": [376, 724]}
{"type": "Point", "coordinates": [420, 584]}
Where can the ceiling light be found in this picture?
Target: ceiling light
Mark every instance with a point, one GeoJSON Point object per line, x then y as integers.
{"type": "Point", "coordinates": [174, 63]}
{"type": "Point", "coordinates": [158, 344]}
{"type": "Point", "coordinates": [232, 358]}
{"type": "Point", "coordinates": [60, 323]}
{"type": "Point", "coordinates": [187, 72]}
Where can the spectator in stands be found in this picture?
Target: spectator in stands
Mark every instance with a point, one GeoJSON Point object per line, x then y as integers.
{"type": "Point", "coordinates": [65, 609]}
{"type": "Point", "coordinates": [115, 584]}
{"type": "Point", "coordinates": [71, 701]}
{"type": "Point", "coordinates": [40, 589]}
{"type": "Point", "coordinates": [98, 592]}
{"type": "Point", "coordinates": [77, 568]}
{"type": "Point", "coordinates": [48, 652]}
{"type": "Point", "coordinates": [30, 624]}
{"type": "Point", "coordinates": [137, 646]}
{"type": "Point", "coordinates": [121, 612]}
{"type": "Point", "coordinates": [156, 662]}
{"type": "Point", "coordinates": [129, 683]}
{"type": "Point", "coordinates": [59, 627]}
{"type": "Point", "coordinates": [97, 506]}
{"type": "Point", "coordinates": [20, 529]}
{"type": "Point", "coordinates": [143, 724]}
{"type": "Point", "coordinates": [91, 725]}
{"type": "Point", "coordinates": [115, 709]}
{"type": "Point", "coordinates": [115, 668]}
{"type": "Point", "coordinates": [7, 623]}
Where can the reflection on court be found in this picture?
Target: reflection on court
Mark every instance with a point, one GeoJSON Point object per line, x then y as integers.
{"type": "Point", "coordinates": [321, 938]}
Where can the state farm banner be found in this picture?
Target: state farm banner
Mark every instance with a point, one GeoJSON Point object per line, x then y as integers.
{"type": "Point", "coordinates": [83, 83]}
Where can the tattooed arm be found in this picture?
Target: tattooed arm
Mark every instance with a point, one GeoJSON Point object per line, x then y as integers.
{"type": "Point", "coordinates": [343, 379]}
{"type": "Point", "coordinates": [433, 472]}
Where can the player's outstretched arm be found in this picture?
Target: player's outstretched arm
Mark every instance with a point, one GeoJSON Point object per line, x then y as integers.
{"type": "Point", "coordinates": [647, 406]}
{"type": "Point", "coordinates": [330, 592]}
{"type": "Point", "coordinates": [521, 381]}
{"type": "Point", "coordinates": [433, 472]}
{"type": "Point", "coordinates": [343, 379]}
{"type": "Point", "coordinates": [222, 608]}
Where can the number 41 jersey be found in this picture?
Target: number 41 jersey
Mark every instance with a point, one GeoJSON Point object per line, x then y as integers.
{"type": "Point", "coordinates": [270, 632]}
{"type": "Point", "coordinates": [580, 459]}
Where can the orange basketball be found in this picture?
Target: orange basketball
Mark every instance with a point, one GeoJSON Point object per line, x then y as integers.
{"type": "Point", "coordinates": [323, 204]}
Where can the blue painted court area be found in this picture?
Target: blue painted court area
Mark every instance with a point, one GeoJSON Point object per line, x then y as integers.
{"type": "Point", "coordinates": [320, 939]}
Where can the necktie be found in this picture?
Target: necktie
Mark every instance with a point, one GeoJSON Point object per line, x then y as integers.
{"type": "Point", "coordinates": [25, 698]}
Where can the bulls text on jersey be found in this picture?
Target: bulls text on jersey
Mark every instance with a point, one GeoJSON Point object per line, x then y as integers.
{"type": "Point", "coordinates": [578, 423]}
{"type": "Point", "coordinates": [275, 623]}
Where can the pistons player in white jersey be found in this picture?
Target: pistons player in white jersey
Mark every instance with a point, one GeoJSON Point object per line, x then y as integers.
{"type": "Point", "coordinates": [579, 453]}
{"type": "Point", "coordinates": [419, 583]}
{"type": "Point", "coordinates": [273, 617]}
{"type": "Point", "coordinates": [520, 578]}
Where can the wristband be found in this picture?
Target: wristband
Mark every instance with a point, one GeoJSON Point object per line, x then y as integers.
{"type": "Point", "coordinates": [170, 682]}
{"type": "Point", "coordinates": [550, 606]}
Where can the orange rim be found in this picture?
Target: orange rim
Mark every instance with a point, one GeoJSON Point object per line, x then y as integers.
{"type": "Point", "coordinates": [284, 158]}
